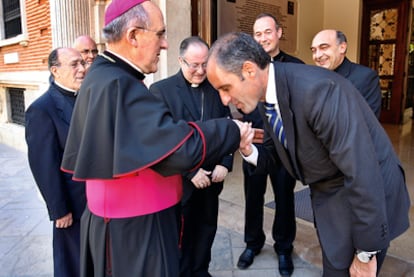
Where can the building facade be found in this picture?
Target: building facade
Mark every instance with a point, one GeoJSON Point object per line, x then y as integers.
{"type": "Point", "coordinates": [30, 29]}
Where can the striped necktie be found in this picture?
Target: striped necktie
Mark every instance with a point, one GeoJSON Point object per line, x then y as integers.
{"type": "Point", "coordinates": [276, 122]}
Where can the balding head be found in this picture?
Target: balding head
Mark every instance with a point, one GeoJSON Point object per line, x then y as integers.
{"type": "Point", "coordinates": [87, 48]}
{"type": "Point", "coordinates": [138, 35]}
{"type": "Point", "coordinates": [329, 48]}
{"type": "Point", "coordinates": [67, 67]}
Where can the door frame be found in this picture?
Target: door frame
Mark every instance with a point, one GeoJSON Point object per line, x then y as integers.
{"type": "Point", "coordinates": [204, 19]}
{"type": "Point", "coordinates": [397, 105]}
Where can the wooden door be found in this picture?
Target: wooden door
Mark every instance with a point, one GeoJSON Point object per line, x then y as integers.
{"type": "Point", "coordinates": [204, 19]}
{"type": "Point", "coordinates": [384, 41]}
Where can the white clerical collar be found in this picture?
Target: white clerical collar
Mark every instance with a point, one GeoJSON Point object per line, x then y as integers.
{"type": "Point", "coordinates": [66, 88]}
{"type": "Point", "coordinates": [125, 60]}
{"type": "Point", "coordinates": [271, 86]}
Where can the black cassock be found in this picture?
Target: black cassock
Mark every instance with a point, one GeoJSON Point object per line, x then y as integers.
{"type": "Point", "coordinates": [119, 128]}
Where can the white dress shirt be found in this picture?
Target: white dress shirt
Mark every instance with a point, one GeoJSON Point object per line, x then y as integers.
{"type": "Point", "coordinates": [271, 98]}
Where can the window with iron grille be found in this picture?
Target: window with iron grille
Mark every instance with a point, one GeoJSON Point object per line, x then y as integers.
{"type": "Point", "coordinates": [11, 18]}
{"type": "Point", "coordinates": [17, 105]}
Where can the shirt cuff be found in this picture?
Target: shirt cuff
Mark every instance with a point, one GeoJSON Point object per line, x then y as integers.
{"type": "Point", "coordinates": [252, 158]}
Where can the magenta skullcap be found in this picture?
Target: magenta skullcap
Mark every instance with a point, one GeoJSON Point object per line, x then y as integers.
{"type": "Point", "coordinates": [118, 8]}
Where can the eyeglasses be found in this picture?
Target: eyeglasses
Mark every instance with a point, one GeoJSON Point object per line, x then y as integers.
{"type": "Point", "coordinates": [194, 66]}
{"type": "Point", "coordinates": [160, 34]}
{"type": "Point", "coordinates": [73, 64]}
{"type": "Point", "coordinates": [89, 51]}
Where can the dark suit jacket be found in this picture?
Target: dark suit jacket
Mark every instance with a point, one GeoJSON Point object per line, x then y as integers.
{"type": "Point", "coordinates": [286, 58]}
{"type": "Point", "coordinates": [47, 125]}
{"type": "Point", "coordinates": [175, 93]}
{"type": "Point", "coordinates": [365, 80]}
{"type": "Point", "coordinates": [337, 147]}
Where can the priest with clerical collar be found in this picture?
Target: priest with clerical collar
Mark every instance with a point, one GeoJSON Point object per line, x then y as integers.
{"type": "Point", "coordinates": [47, 125]}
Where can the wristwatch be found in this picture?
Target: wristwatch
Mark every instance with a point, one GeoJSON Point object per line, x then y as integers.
{"type": "Point", "coordinates": [365, 256]}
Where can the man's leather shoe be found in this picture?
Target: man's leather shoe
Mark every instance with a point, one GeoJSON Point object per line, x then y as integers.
{"type": "Point", "coordinates": [285, 264]}
{"type": "Point", "coordinates": [246, 258]}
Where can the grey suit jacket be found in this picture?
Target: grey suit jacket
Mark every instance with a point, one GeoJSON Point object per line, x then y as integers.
{"type": "Point", "coordinates": [337, 147]}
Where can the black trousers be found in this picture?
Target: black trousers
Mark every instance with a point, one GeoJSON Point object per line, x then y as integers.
{"type": "Point", "coordinates": [284, 222]}
{"type": "Point", "coordinates": [66, 250]}
{"type": "Point", "coordinates": [199, 219]}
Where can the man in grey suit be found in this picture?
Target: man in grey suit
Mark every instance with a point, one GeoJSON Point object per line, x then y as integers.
{"type": "Point", "coordinates": [330, 140]}
{"type": "Point", "coordinates": [329, 51]}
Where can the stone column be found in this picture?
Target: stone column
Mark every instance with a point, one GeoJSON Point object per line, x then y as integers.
{"type": "Point", "coordinates": [97, 22]}
{"type": "Point", "coordinates": [178, 28]}
{"type": "Point", "coordinates": [69, 19]}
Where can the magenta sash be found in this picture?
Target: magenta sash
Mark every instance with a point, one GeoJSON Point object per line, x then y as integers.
{"type": "Point", "coordinates": [145, 193]}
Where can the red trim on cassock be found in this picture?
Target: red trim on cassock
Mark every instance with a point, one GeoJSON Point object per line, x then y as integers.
{"type": "Point", "coordinates": [159, 159]}
{"type": "Point", "coordinates": [135, 171]}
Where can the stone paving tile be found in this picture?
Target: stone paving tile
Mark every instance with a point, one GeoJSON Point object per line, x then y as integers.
{"type": "Point", "coordinates": [222, 256]}
{"type": "Point", "coordinates": [31, 256]}
{"type": "Point", "coordinates": [227, 247]}
{"type": "Point", "coordinates": [25, 231]}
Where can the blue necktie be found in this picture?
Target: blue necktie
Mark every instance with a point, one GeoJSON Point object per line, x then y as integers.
{"type": "Point", "coordinates": [276, 122]}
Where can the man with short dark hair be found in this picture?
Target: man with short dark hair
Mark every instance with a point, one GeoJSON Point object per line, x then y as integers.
{"type": "Point", "coordinates": [320, 127]}
{"type": "Point", "coordinates": [47, 125]}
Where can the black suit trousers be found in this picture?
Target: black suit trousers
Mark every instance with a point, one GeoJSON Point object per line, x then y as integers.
{"type": "Point", "coordinates": [66, 250]}
{"type": "Point", "coordinates": [284, 222]}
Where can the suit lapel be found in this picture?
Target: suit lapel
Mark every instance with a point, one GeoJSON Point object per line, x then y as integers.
{"type": "Point", "coordinates": [289, 158]}
{"type": "Point", "coordinates": [63, 107]}
{"type": "Point", "coordinates": [281, 151]}
{"type": "Point", "coordinates": [187, 96]}
{"type": "Point", "coordinates": [209, 97]}
{"type": "Point", "coordinates": [345, 68]}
